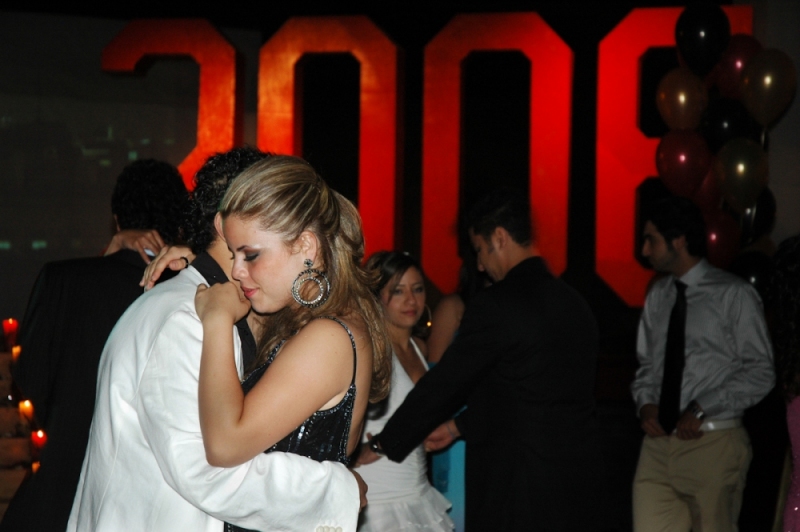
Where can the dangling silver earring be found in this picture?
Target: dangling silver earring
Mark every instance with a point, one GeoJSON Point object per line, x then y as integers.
{"type": "Point", "coordinates": [316, 276]}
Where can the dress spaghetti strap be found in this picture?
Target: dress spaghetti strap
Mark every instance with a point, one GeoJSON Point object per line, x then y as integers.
{"type": "Point", "coordinates": [352, 342]}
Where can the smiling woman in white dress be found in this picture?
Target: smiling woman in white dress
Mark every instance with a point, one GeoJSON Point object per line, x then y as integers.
{"type": "Point", "coordinates": [400, 496]}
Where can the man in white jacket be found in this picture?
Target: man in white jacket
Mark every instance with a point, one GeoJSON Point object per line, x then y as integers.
{"type": "Point", "coordinates": [145, 466]}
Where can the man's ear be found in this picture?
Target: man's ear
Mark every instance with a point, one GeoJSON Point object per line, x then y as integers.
{"type": "Point", "coordinates": [499, 237]}
{"type": "Point", "coordinates": [218, 226]}
{"type": "Point", "coordinates": [679, 244]}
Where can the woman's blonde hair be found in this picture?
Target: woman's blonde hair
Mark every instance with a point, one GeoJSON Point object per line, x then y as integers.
{"type": "Point", "coordinates": [286, 196]}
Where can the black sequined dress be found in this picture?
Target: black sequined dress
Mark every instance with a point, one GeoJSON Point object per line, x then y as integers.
{"type": "Point", "coordinates": [324, 435]}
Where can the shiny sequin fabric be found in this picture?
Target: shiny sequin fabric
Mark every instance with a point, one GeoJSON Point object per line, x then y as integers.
{"type": "Point", "coordinates": [324, 435]}
{"type": "Point", "coordinates": [791, 519]}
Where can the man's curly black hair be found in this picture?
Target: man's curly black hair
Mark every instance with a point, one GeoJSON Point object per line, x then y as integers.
{"type": "Point", "coordinates": [210, 184]}
{"type": "Point", "coordinates": [150, 194]}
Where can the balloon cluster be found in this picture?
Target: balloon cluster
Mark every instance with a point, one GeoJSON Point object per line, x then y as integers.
{"type": "Point", "coordinates": [719, 104]}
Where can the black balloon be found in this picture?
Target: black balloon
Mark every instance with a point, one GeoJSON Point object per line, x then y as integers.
{"type": "Point", "coordinates": [702, 34]}
{"type": "Point", "coordinates": [755, 268]}
{"type": "Point", "coordinates": [726, 120]}
{"type": "Point", "coordinates": [759, 220]}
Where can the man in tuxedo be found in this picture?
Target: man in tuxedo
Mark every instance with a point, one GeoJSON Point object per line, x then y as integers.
{"type": "Point", "coordinates": [523, 363]}
{"type": "Point", "coordinates": [704, 357]}
{"type": "Point", "coordinates": [145, 466]}
{"type": "Point", "coordinates": [72, 309]}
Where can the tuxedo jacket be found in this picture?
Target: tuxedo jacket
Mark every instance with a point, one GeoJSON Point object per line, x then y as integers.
{"type": "Point", "coordinates": [524, 364]}
{"type": "Point", "coordinates": [72, 309]}
{"type": "Point", "coordinates": [145, 465]}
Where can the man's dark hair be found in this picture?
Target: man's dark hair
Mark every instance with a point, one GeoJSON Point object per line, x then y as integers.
{"type": "Point", "coordinates": [210, 184]}
{"type": "Point", "coordinates": [150, 194]}
{"type": "Point", "coordinates": [504, 208]}
{"type": "Point", "coordinates": [675, 217]}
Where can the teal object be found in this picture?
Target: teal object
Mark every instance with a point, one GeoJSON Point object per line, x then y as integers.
{"type": "Point", "coordinates": [448, 478]}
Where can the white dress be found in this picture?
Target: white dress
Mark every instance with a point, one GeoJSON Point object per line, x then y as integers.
{"type": "Point", "coordinates": [400, 496]}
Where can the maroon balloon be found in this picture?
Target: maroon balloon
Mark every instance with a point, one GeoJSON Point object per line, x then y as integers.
{"type": "Point", "coordinates": [683, 159]}
{"type": "Point", "coordinates": [723, 235]}
{"type": "Point", "coordinates": [708, 197]}
{"type": "Point", "coordinates": [727, 73]}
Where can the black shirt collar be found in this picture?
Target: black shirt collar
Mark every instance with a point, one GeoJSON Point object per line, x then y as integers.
{"type": "Point", "coordinates": [210, 269]}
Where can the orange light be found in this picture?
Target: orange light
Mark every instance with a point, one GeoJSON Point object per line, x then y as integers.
{"type": "Point", "coordinates": [35, 467]}
{"type": "Point", "coordinates": [26, 409]}
{"type": "Point", "coordinates": [15, 351]}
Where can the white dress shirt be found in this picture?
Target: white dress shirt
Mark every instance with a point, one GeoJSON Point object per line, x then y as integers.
{"type": "Point", "coordinates": [728, 356]}
{"type": "Point", "coordinates": [145, 466]}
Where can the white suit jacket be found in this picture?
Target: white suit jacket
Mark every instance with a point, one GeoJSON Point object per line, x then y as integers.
{"type": "Point", "coordinates": [145, 467]}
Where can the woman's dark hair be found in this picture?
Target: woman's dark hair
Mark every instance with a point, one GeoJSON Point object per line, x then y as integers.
{"type": "Point", "coordinates": [210, 184]}
{"type": "Point", "coordinates": [675, 217]}
{"type": "Point", "coordinates": [390, 265]}
{"type": "Point", "coordinates": [783, 301]}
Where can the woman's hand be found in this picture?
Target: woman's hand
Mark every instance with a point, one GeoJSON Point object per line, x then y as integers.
{"type": "Point", "coordinates": [172, 257]}
{"type": "Point", "coordinates": [366, 455]}
{"type": "Point", "coordinates": [139, 240]}
{"type": "Point", "coordinates": [223, 300]}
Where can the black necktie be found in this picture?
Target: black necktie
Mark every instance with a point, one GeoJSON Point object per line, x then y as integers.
{"type": "Point", "coordinates": [669, 408]}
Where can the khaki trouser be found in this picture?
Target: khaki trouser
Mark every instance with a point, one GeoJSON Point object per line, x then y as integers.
{"type": "Point", "coordinates": [696, 485]}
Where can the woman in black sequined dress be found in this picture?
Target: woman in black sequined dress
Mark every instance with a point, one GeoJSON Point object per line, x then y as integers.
{"type": "Point", "coordinates": [324, 352]}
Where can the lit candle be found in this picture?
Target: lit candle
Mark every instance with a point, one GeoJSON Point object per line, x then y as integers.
{"type": "Point", "coordinates": [26, 409]}
{"type": "Point", "coordinates": [38, 439]}
{"type": "Point", "coordinates": [15, 351]}
{"type": "Point", "coordinates": [35, 467]}
{"type": "Point", "coordinates": [10, 331]}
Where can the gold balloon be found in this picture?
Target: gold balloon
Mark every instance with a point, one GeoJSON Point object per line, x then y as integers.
{"type": "Point", "coordinates": [681, 99]}
{"type": "Point", "coordinates": [742, 170]}
{"type": "Point", "coordinates": [769, 81]}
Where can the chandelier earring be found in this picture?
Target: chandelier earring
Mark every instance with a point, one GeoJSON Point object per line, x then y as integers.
{"type": "Point", "coordinates": [315, 276]}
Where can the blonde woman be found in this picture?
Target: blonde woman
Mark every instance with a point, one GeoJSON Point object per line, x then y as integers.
{"type": "Point", "coordinates": [297, 246]}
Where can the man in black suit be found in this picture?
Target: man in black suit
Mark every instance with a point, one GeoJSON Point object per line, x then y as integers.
{"type": "Point", "coordinates": [72, 309]}
{"type": "Point", "coordinates": [523, 363]}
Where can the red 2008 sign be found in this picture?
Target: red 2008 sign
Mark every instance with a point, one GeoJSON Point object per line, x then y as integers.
{"type": "Point", "coordinates": [625, 157]}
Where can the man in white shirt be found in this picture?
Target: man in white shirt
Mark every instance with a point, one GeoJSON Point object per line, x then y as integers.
{"type": "Point", "coordinates": [145, 466]}
{"type": "Point", "coordinates": [705, 356]}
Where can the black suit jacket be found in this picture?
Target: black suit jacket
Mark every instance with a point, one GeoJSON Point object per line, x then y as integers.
{"type": "Point", "coordinates": [72, 309]}
{"type": "Point", "coordinates": [524, 364]}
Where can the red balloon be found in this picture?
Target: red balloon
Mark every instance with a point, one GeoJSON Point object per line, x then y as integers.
{"type": "Point", "coordinates": [727, 73]}
{"type": "Point", "coordinates": [708, 197]}
{"type": "Point", "coordinates": [683, 159]}
{"type": "Point", "coordinates": [723, 235]}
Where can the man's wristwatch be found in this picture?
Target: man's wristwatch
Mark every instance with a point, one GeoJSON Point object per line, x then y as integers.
{"type": "Point", "coordinates": [375, 446]}
{"type": "Point", "coordinates": [696, 411]}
